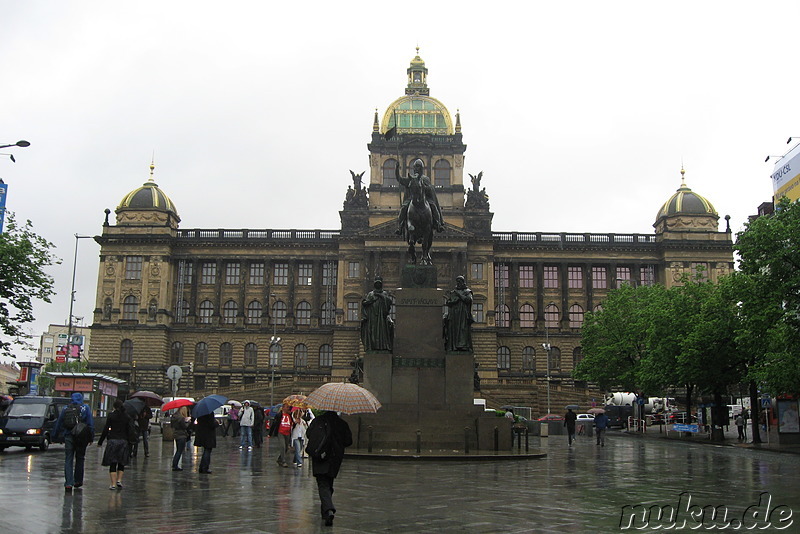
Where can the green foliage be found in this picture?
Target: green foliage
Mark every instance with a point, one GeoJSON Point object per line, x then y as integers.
{"type": "Point", "coordinates": [47, 383]}
{"type": "Point", "coordinates": [23, 258]}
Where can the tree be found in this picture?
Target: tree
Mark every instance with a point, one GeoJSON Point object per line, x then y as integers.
{"type": "Point", "coordinates": [23, 257]}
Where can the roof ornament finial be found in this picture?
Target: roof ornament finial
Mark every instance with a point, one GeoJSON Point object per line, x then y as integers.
{"type": "Point", "coordinates": [375, 127]}
{"type": "Point", "coordinates": [683, 176]}
{"type": "Point", "coordinates": [458, 120]}
{"type": "Point", "coordinates": [152, 165]}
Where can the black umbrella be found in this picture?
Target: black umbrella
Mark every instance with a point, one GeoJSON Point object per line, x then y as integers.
{"type": "Point", "coordinates": [133, 407]}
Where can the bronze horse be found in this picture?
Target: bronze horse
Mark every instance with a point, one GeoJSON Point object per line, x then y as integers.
{"type": "Point", "coordinates": [419, 223]}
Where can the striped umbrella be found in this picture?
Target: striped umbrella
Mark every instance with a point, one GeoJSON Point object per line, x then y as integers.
{"type": "Point", "coordinates": [296, 400]}
{"type": "Point", "coordinates": [343, 397]}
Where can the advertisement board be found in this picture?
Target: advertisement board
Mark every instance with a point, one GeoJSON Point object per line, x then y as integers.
{"type": "Point", "coordinates": [3, 192]}
{"type": "Point", "coordinates": [786, 176]}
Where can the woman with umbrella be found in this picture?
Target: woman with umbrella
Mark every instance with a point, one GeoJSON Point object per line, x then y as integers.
{"type": "Point", "coordinates": [206, 428]}
{"type": "Point", "coordinates": [180, 425]}
{"type": "Point", "coordinates": [117, 454]}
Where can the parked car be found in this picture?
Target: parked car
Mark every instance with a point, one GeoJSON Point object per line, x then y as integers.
{"type": "Point", "coordinates": [29, 422]}
{"type": "Point", "coordinates": [551, 417]}
{"type": "Point", "coordinates": [585, 418]}
{"type": "Point", "coordinates": [680, 417]}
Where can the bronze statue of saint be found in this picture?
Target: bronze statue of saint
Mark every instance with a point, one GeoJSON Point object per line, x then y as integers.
{"type": "Point", "coordinates": [418, 173]}
{"type": "Point", "coordinates": [458, 318]}
{"type": "Point", "coordinates": [377, 327]}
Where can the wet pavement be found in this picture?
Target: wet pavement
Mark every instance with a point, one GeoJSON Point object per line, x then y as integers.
{"type": "Point", "coordinates": [574, 489]}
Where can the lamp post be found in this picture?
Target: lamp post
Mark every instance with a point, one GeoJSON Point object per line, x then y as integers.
{"type": "Point", "coordinates": [21, 143]}
{"type": "Point", "coordinates": [275, 340]}
{"type": "Point", "coordinates": [547, 347]}
{"type": "Point", "coordinates": [72, 293]}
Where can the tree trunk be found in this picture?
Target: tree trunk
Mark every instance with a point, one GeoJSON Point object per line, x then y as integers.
{"type": "Point", "coordinates": [755, 410]}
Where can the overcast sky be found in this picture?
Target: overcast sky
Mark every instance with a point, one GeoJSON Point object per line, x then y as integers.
{"type": "Point", "coordinates": [580, 114]}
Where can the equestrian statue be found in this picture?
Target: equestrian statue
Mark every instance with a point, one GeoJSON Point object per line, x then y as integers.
{"type": "Point", "coordinates": [420, 213]}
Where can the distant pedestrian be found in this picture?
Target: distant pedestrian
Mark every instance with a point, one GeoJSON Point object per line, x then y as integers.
{"type": "Point", "coordinates": [74, 445]}
{"type": "Point", "coordinates": [179, 422]}
{"type": "Point", "coordinates": [258, 426]}
{"type": "Point", "coordinates": [232, 425]}
{"type": "Point", "coordinates": [282, 428]}
{"type": "Point", "coordinates": [601, 424]}
{"type": "Point", "coordinates": [298, 435]}
{"type": "Point", "coordinates": [246, 421]}
{"type": "Point", "coordinates": [206, 437]}
{"type": "Point", "coordinates": [325, 469]}
{"type": "Point", "coordinates": [143, 425]}
{"type": "Point", "coordinates": [569, 421]}
{"type": "Point", "coordinates": [740, 426]}
{"type": "Point", "coordinates": [117, 430]}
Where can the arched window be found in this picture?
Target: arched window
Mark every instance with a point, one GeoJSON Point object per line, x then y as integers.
{"type": "Point", "coordinates": [206, 311]}
{"type": "Point", "coordinates": [597, 308]}
{"type": "Point", "coordinates": [229, 311]}
{"type": "Point", "coordinates": [275, 355]}
{"type": "Point", "coordinates": [551, 316]}
{"type": "Point", "coordinates": [328, 314]}
{"type": "Point", "coordinates": [555, 359]}
{"type": "Point", "coordinates": [251, 355]}
{"type": "Point", "coordinates": [300, 356]}
{"type": "Point", "coordinates": [527, 317]}
{"type": "Point", "coordinates": [577, 356]}
{"type": "Point", "coordinates": [387, 171]}
{"type": "Point", "coordinates": [575, 316]}
{"type": "Point", "coordinates": [254, 312]}
{"type": "Point", "coordinates": [225, 354]}
{"type": "Point", "coordinates": [130, 308]}
{"type": "Point", "coordinates": [501, 317]}
{"type": "Point", "coordinates": [529, 359]}
{"type": "Point", "coordinates": [504, 358]}
{"type": "Point", "coordinates": [279, 313]}
{"type": "Point", "coordinates": [441, 172]}
{"type": "Point", "coordinates": [303, 314]}
{"type": "Point", "coordinates": [126, 351]}
{"type": "Point", "coordinates": [326, 356]}
{"type": "Point", "coordinates": [176, 353]}
{"type": "Point", "coordinates": [201, 353]}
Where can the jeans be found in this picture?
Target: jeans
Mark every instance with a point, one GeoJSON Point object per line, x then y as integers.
{"type": "Point", "coordinates": [74, 457]}
{"type": "Point", "coordinates": [205, 460]}
{"type": "Point", "coordinates": [247, 436]}
{"type": "Point", "coordinates": [286, 444]}
{"type": "Point", "coordinates": [180, 446]}
{"type": "Point", "coordinates": [601, 436]}
{"type": "Point", "coordinates": [298, 451]}
{"type": "Point", "coordinates": [325, 490]}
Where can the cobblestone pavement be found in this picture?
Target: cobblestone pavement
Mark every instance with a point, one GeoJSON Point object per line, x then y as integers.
{"type": "Point", "coordinates": [575, 489]}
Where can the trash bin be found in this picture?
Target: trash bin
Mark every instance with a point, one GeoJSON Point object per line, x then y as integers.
{"type": "Point", "coordinates": [544, 429]}
{"type": "Point", "coordinates": [166, 431]}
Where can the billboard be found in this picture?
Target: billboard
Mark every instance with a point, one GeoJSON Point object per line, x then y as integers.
{"type": "Point", "coordinates": [786, 176]}
{"type": "Point", "coordinates": [3, 191]}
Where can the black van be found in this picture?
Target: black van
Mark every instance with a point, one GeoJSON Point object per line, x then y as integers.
{"type": "Point", "coordinates": [618, 415]}
{"type": "Point", "coordinates": [29, 421]}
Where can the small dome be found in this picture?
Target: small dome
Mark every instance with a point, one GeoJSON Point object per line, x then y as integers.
{"type": "Point", "coordinates": [686, 202]}
{"type": "Point", "coordinates": [148, 197]}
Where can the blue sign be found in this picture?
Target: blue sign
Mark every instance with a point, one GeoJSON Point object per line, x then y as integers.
{"type": "Point", "coordinates": [3, 192]}
{"type": "Point", "coordinates": [679, 427]}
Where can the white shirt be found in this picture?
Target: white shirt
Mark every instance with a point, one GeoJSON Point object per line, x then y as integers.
{"type": "Point", "coordinates": [247, 417]}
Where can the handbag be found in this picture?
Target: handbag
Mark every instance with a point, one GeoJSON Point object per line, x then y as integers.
{"type": "Point", "coordinates": [81, 432]}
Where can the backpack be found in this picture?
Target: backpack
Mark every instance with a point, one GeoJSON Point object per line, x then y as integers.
{"type": "Point", "coordinates": [72, 416]}
{"type": "Point", "coordinates": [319, 443]}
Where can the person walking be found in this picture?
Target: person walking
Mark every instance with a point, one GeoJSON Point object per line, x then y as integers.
{"type": "Point", "coordinates": [143, 425]}
{"type": "Point", "coordinates": [569, 421]}
{"type": "Point", "coordinates": [258, 426]}
{"type": "Point", "coordinates": [325, 469]}
{"type": "Point", "coordinates": [232, 423]}
{"type": "Point", "coordinates": [180, 424]}
{"type": "Point", "coordinates": [118, 430]}
{"type": "Point", "coordinates": [740, 426]}
{"type": "Point", "coordinates": [246, 421]}
{"type": "Point", "coordinates": [74, 446]}
{"type": "Point", "coordinates": [298, 435]}
{"type": "Point", "coordinates": [282, 426]}
{"type": "Point", "coordinates": [206, 437]}
{"type": "Point", "coordinates": [601, 424]}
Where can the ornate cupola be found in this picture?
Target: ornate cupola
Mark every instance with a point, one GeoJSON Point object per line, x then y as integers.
{"type": "Point", "coordinates": [686, 211]}
{"type": "Point", "coordinates": [417, 77]}
{"type": "Point", "coordinates": [147, 205]}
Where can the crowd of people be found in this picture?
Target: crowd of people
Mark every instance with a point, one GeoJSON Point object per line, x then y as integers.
{"type": "Point", "coordinates": [122, 432]}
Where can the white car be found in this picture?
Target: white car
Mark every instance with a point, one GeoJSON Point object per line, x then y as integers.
{"type": "Point", "coordinates": [585, 418]}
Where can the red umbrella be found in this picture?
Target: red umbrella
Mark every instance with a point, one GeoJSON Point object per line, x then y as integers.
{"type": "Point", "coordinates": [149, 398]}
{"type": "Point", "coordinates": [177, 403]}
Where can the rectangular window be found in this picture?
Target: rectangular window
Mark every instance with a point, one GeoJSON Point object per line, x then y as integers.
{"type": "Point", "coordinates": [699, 272]}
{"type": "Point", "coordinates": [575, 275]}
{"type": "Point", "coordinates": [550, 276]}
{"type": "Point", "coordinates": [648, 275]}
{"type": "Point", "coordinates": [256, 274]}
{"type": "Point", "coordinates": [476, 271]}
{"type": "Point", "coordinates": [353, 269]}
{"type": "Point", "coordinates": [599, 278]}
{"type": "Point", "coordinates": [526, 276]}
{"type": "Point", "coordinates": [224, 382]}
{"type": "Point", "coordinates": [186, 270]}
{"type": "Point", "coordinates": [329, 270]}
{"type": "Point", "coordinates": [280, 276]}
{"type": "Point", "coordinates": [233, 272]}
{"type": "Point", "coordinates": [477, 312]}
{"type": "Point", "coordinates": [133, 268]}
{"type": "Point", "coordinates": [501, 275]}
{"type": "Point", "coordinates": [352, 311]}
{"type": "Point", "coordinates": [304, 273]}
{"type": "Point", "coordinates": [623, 276]}
{"type": "Point", "coordinates": [208, 273]}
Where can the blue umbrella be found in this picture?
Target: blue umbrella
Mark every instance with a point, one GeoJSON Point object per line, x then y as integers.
{"type": "Point", "coordinates": [206, 405]}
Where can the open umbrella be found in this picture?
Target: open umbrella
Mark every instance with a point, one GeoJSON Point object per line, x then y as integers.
{"type": "Point", "coordinates": [596, 410]}
{"type": "Point", "coordinates": [177, 403]}
{"type": "Point", "coordinates": [149, 398]}
{"type": "Point", "coordinates": [208, 404]}
{"type": "Point", "coordinates": [572, 407]}
{"type": "Point", "coordinates": [235, 403]}
{"type": "Point", "coordinates": [343, 397]}
{"type": "Point", "coordinates": [133, 407]}
{"type": "Point", "coordinates": [298, 401]}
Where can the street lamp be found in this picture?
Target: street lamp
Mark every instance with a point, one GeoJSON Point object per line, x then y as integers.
{"type": "Point", "coordinates": [275, 340]}
{"type": "Point", "coordinates": [72, 292]}
{"type": "Point", "coordinates": [547, 347]}
{"type": "Point", "coordinates": [21, 143]}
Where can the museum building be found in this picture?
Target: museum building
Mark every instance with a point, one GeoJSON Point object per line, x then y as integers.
{"type": "Point", "coordinates": [246, 309]}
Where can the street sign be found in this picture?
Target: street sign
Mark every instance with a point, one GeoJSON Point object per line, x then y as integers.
{"type": "Point", "coordinates": [679, 427]}
{"type": "Point", "coordinates": [61, 359]}
{"type": "Point", "coordinates": [174, 373]}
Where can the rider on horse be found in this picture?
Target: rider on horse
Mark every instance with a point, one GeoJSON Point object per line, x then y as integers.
{"type": "Point", "coordinates": [430, 195]}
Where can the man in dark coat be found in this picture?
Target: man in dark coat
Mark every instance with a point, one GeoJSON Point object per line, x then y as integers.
{"type": "Point", "coordinates": [205, 436]}
{"type": "Point", "coordinates": [325, 471]}
{"type": "Point", "coordinates": [569, 421]}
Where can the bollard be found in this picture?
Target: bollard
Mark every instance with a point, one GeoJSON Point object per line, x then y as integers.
{"type": "Point", "coordinates": [369, 438]}
{"type": "Point", "coordinates": [518, 432]}
{"type": "Point", "coordinates": [466, 440]}
{"type": "Point", "coordinates": [496, 439]}
{"type": "Point", "coordinates": [419, 441]}
{"type": "Point", "coordinates": [526, 439]}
